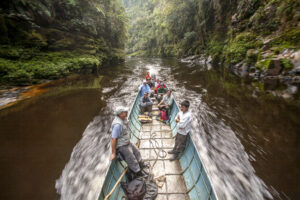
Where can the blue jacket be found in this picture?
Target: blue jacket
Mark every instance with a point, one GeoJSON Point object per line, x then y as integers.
{"type": "Point", "coordinates": [145, 88]}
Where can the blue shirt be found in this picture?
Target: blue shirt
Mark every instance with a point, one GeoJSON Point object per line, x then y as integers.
{"type": "Point", "coordinates": [145, 102]}
{"type": "Point", "coordinates": [145, 88]}
{"type": "Point", "coordinates": [116, 131]}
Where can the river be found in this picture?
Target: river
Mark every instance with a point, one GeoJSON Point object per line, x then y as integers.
{"type": "Point", "coordinates": [56, 145]}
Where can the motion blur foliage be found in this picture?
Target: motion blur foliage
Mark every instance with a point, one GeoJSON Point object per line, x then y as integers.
{"type": "Point", "coordinates": [49, 39]}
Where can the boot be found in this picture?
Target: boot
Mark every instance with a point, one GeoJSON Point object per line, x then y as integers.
{"type": "Point", "coordinates": [174, 157]}
{"type": "Point", "coordinates": [141, 173]}
{"type": "Point", "coordinates": [143, 165]}
{"type": "Point", "coordinates": [171, 152]}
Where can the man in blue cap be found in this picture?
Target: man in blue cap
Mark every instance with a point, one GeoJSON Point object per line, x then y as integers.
{"type": "Point", "coordinates": [145, 88]}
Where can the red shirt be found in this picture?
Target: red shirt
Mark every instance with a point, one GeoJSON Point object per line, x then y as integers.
{"type": "Point", "coordinates": [148, 76]}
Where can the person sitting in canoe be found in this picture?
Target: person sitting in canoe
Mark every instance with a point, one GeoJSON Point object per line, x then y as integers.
{"type": "Point", "coordinates": [166, 102]}
{"type": "Point", "coordinates": [151, 86]}
{"type": "Point", "coordinates": [160, 89]}
{"type": "Point", "coordinates": [149, 82]}
{"type": "Point", "coordinates": [184, 124]}
{"type": "Point", "coordinates": [146, 104]}
{"type": "Point", "coordinates": [121, 142]}
{"type": "Point", "coordinates": [144, 88]}
{"type": "Point", "coordinates": [148, 76]}
{"type": "Point", "coordinates": [153, 77]}
{"type": "Point", "coordinates": [156, 84]}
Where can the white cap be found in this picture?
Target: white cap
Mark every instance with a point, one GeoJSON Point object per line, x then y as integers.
{"type": "Point", "coordinates": [121, 109]}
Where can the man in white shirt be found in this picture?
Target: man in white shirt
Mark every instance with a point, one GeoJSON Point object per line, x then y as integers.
{"type": "Point", "coordinates": [184, 123]}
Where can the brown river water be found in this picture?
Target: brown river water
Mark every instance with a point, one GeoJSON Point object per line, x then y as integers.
{"type": "Point", "coordinates": [56, 145]}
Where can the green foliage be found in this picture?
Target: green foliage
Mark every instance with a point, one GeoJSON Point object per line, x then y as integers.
{"type": "Point", "coordinates": [225, 30]}
{"type": "Point", "coordinates": [288, 38]}
{"type": "Point", "coordinates": [287, 64]}
{"type": "Point", "coordinates": [46, 66]}
{"type": "Point", "coordinates": [252, 56]}
{"type": "Point", "coordinates": [263, 64]}
{"type": "Point", "coordinates": [268, 64]}
{"type": "Point", "coordinates": [72, 2]}
{"type": "Point", "coordinates": [56, 39]}
{"type": "Point", "coordinates": [189, 38]}
{"type": "Point", "coordinates": [7, 51]}
{"type": "Point", "coordinates": [36, 39]}
{"type": "Point", "coordinates": [161, 28]}
{"type": "Point", "coordinates": [237, 48]}
{"type": "Point", "coordinates": [215, 49]}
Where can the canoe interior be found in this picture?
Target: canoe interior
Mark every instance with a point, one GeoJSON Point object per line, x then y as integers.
{"type": "Point", "coordinates": [196, 184]}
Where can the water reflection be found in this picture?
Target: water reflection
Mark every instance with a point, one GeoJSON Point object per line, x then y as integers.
{"type": "Point", "coordinates": [247, 144]}
{"type": "Point", "coordinates": [232, 132]}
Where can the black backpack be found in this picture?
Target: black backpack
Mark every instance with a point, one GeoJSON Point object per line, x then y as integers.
{"type": "Point", "coordinates": [135, 189]}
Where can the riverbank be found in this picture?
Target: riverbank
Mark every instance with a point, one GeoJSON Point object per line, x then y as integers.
{"type": "Point", "coordinates": [11, 95]}
{"type": "Point", "coordinates": [261, 83]}
{"type": "Point", "coordinates": [33, 66]}
{"type": "Point", "coordinates": [49, 40]}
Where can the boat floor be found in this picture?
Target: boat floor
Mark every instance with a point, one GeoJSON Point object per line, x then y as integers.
{"type": "Point", "coordinates": [173, 187]}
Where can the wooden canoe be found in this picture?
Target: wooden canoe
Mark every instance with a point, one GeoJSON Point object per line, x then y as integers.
{"type": "Point", "coordinates": [182, 179]}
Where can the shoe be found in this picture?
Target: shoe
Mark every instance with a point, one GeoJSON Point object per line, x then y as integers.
{"type": "Point", "coordinates": [143, 165]}
{"type": "Point", "coordinates": [174, 157]}
{"type": "Point", "coordinates": [171, 152]}
{"type": "Point", "coordinates": [141, 173]}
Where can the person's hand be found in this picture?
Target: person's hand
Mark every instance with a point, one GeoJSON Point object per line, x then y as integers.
{"type": "Point", "coordinates": [113, 156]}
{"type": "Point", "coordinates": [178, 119]}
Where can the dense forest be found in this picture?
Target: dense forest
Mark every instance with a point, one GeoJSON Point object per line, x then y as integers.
{"type": "Point", "coordinates": [43, 39]}
{"type": "Point", "coordinates": [258, 33]}
{"type": "Point", "coordinates": [50, 39]}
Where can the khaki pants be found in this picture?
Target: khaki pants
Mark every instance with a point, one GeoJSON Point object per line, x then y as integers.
{"type": "Point", "coordinates": [132, 156]}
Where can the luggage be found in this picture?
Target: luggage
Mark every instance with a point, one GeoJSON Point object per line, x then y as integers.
{"type": "Point", "coordinates": [163, 115]}
{"type": "Point", "coordinates": [144, 119]}
{"type": "Point", "coordinates": [135, 189]}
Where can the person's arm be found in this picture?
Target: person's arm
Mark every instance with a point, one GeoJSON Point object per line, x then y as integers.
{"type": "Point", "coordinates": [150, 101]}
{"type": "Point", "coordinates": [113, 149]}
{"type": "Point", "coordinates": [148, 89]}
{"type": "Point", "coordinates": [177, 118]}
{"type": "Point", "coordinates": [142, 103]}
{"type": "Point", "coordinates": [183, 122]}
{"type": "Point", "coordinates": [116, 132]}
{"type": "Point", "coordinates": [170, 101]}
{"type": "Point", "coordinates": [162, 101]}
